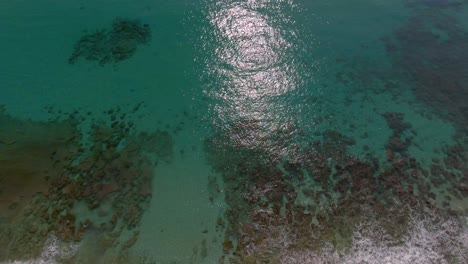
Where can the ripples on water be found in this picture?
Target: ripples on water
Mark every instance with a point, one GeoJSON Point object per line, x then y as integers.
{"type": "Point", "coordinates": [303, 121]}
{"type": "Point", "coordinates": [254, 69]}
{"type": "Point", "coordinates": [332, 133]}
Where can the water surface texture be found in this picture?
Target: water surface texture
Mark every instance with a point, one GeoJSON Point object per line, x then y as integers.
{"type": "Point", "coordinates": [218, 131]}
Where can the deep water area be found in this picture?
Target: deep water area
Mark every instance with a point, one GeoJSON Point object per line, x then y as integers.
{"type": "Point", "coordinates": [221, 131]}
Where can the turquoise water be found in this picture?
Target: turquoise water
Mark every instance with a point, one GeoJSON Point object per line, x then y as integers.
{"type": "Point", "coordinates": [233, 131]}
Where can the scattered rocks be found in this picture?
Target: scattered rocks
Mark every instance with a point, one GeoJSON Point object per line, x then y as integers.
{"type": "Point", "coordinates": [112, 175]}
{"type": "Point", "coordinates": [262, 193]}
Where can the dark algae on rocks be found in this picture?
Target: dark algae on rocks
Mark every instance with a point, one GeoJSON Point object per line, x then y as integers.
{"type": "Point", "coordinates": [319, 196]}
{"type": "Point", "coordinates": [59, 189]}
{"type": "Point", "coordinates": [113, 45]}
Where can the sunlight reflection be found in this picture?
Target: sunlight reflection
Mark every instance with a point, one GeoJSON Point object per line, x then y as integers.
{"type": "Point", "coordinates": [254, 63]}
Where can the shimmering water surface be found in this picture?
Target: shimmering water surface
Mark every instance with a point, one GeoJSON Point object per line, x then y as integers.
{"type": "Point", "coordinates": [234, 131]}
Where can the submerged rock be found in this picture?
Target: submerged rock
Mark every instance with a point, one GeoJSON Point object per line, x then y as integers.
{"type": "Point", "coordinates": [322, 196]}
{"type": "Point", "coordinates": [112, 45]}
{"type": "Point", "coordinates": [55, 183]}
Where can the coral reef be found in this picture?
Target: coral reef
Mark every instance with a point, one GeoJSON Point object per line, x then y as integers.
{"type": "Point", "coordinates": [48, 171]}
{"type": "Point", "coordinates": [430, 49]}
{"type": "Point", "coordinates": [26, 167]}
{"type": "Point", "coordinates": [266, 215]}
{"type": "Point", "coordinates": [112, 45]}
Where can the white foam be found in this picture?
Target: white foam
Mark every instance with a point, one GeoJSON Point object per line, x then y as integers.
{"type": "Point", "coordinates": [428, 240]}
{"type": "Point", "coordinates": [53, 250]}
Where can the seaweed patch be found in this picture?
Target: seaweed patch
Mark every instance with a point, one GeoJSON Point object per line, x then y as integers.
{"type": "Point", "coordinates": [61, 186]}
{"type": "Point", "coordinates": [292, 208]}
{"type": "Point", "coordinates": [431, 50]}
{"type": "Point", "coordinates": [113, 45]}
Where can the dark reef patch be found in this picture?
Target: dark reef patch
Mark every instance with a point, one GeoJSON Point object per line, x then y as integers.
{"type": "Point", "coordinates": [264, 213]}
{"type": "Point", "coordinates": [399, 141]}
{"type": "Point", "coordinates": [431, 49]}
{"type": "Point", "coordinates": [26, 175]}
{"type": "Point", "coordinates": [113, 45]}
{"type": "Point", "coordinates": [50, 175]}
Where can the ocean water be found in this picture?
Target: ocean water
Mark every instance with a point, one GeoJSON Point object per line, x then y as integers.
{"type": "Point", "coordinates": [226, 131]}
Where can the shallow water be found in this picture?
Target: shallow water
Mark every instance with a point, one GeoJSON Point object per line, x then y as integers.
{"type": "Point", "coordinates": [234, 131]}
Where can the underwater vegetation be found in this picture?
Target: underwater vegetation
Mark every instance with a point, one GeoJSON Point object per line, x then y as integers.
{"type": "Point", "coordinates": [291, 197]}
{"type": "Point", "coordinates": [113, 45]}
{"type": "Point", "coordinates": [320, 196]}
{"type": "Point", "coordinates": [58, 185]}
{"type": "Point", "coordinates": [317, 203]}
{"type": "Point", "coordinates": [430, 49]}
{"type": "Point", "coordinates": [26, 170]}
